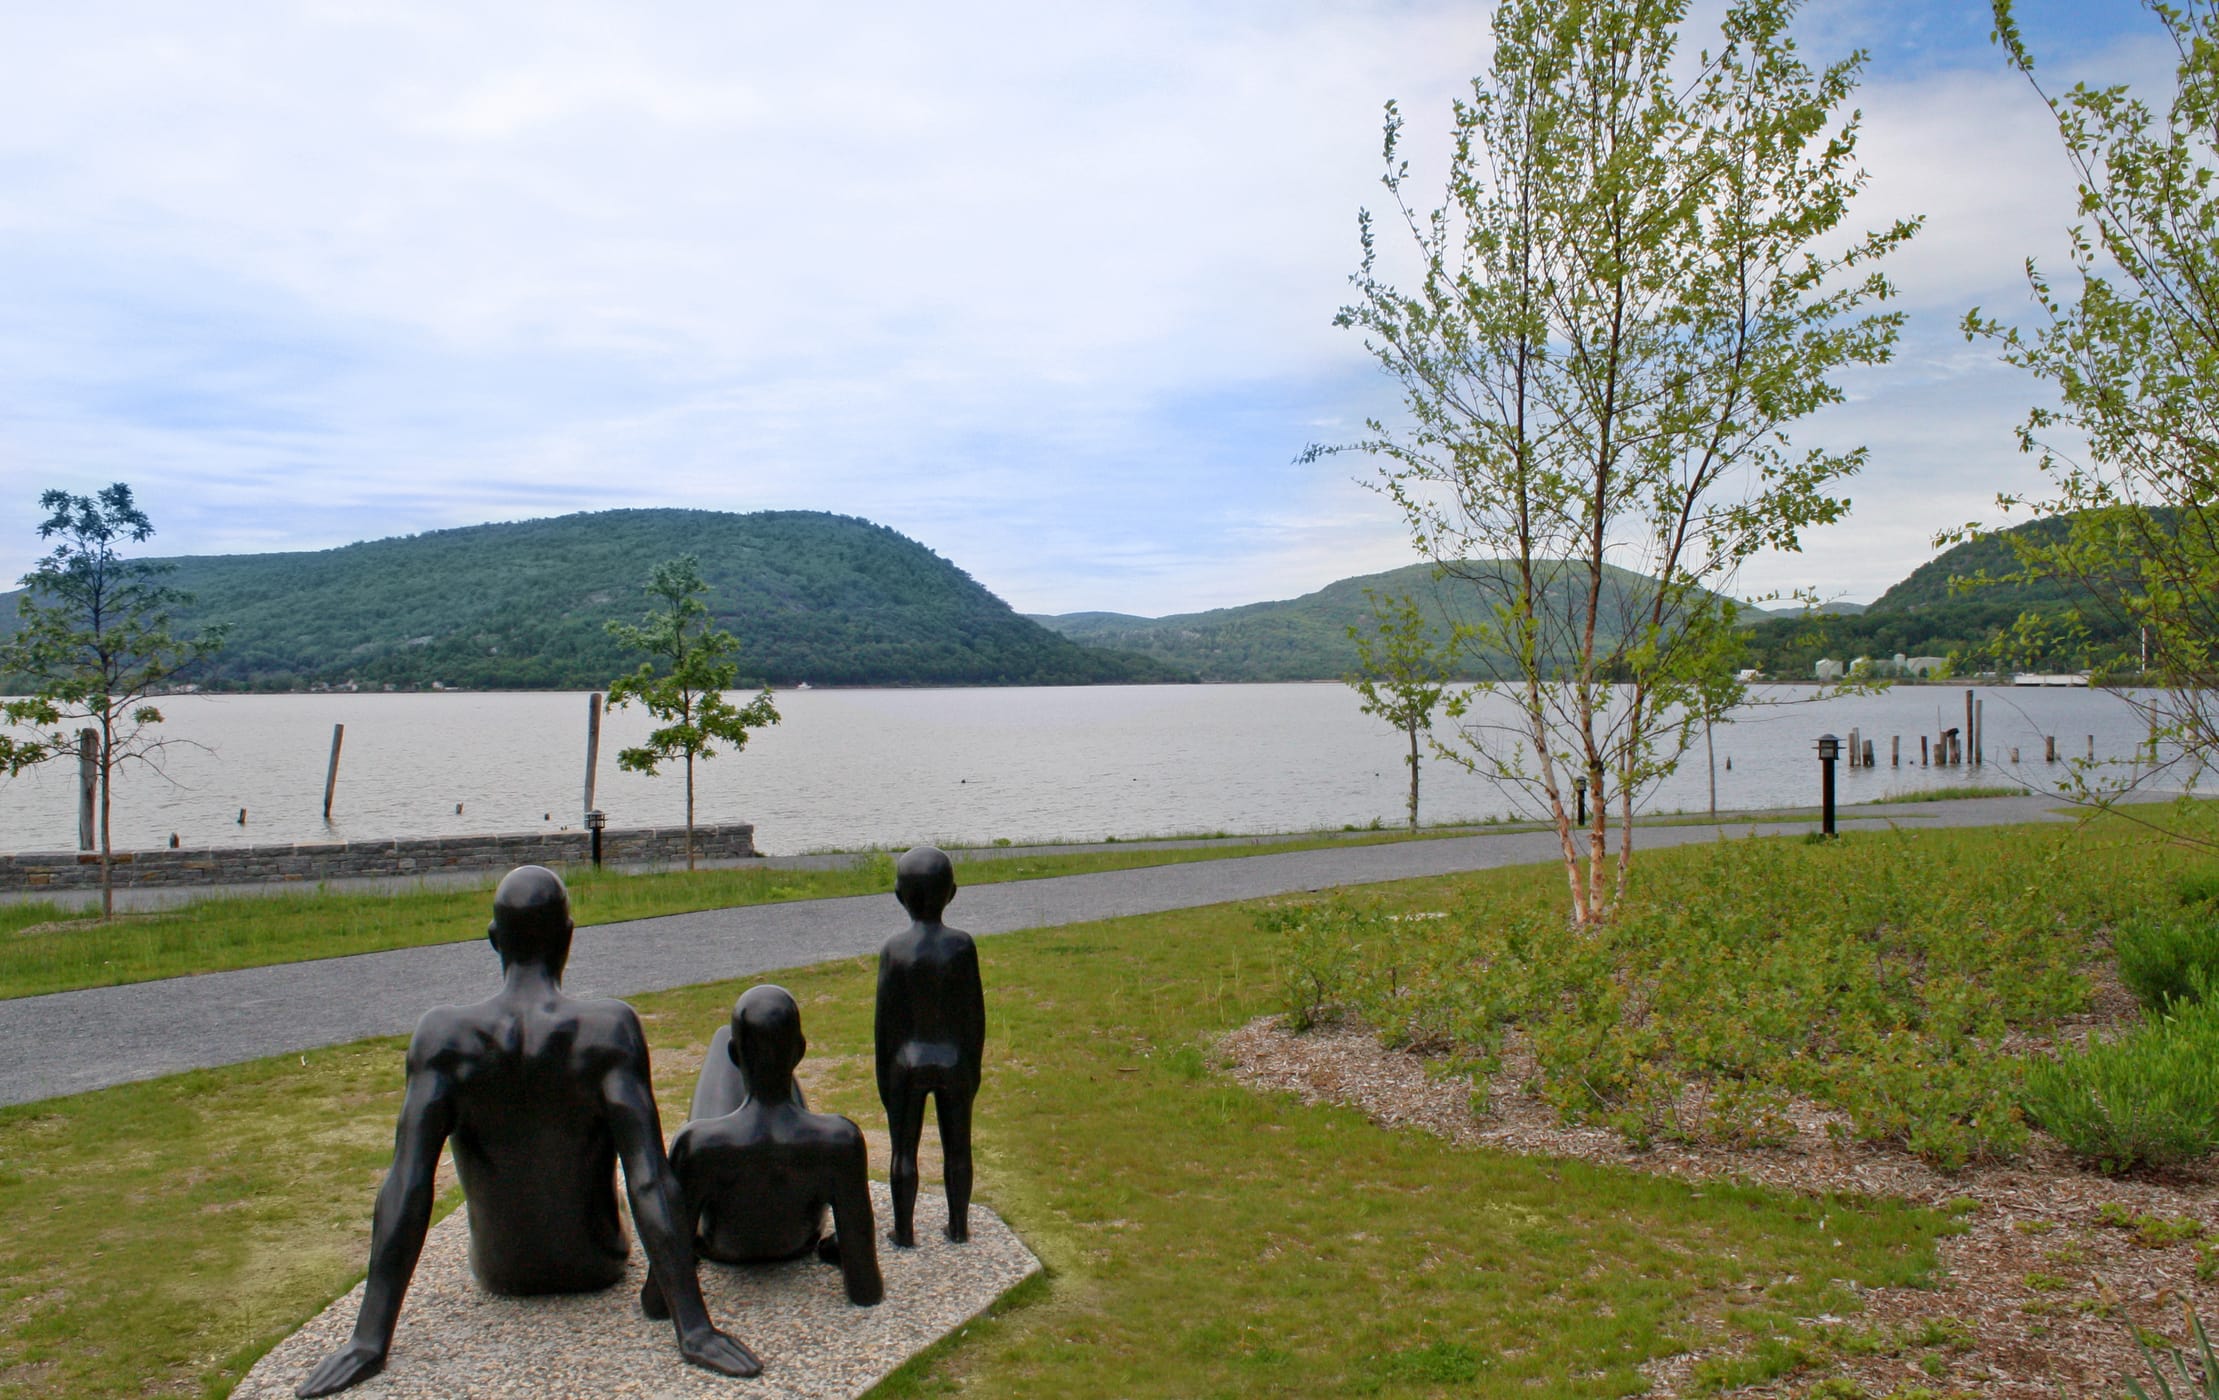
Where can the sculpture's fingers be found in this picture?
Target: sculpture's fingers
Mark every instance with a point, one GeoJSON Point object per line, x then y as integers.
{"type": "Point", "coordinates": [336, 1372]}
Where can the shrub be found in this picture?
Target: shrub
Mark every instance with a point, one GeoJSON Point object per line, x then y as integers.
{"type": "Point", "coordinates": [2147, 1099]}
{"type": "Point", "coordinates": [2191, 1383]}
{"type": "Point", "coordinates": [2163, 959]}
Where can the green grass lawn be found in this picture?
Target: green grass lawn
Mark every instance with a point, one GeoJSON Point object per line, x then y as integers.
{"type": "Point", "coordinates": [1200, 1239]}
{"type": "Point", "coordinates": [45, 949]}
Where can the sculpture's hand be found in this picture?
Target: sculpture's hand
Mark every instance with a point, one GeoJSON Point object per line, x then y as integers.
{"type": "Point", "coordinates": [352, 1364]}
{"type": "Point", "coordinates": [709, 1348]}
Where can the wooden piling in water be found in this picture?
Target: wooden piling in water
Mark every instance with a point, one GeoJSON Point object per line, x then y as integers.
{"type": "Point", "coordinates": [1922, 751]}
{"type": "Point", "coordinates": [593, 743]}
{"type": "Point", "coordinates": [1854, 748]}
{"type": "Point", "coordinates": [2049, 748]}
{"type": "Point", "coordinates": [1979, 732]}
{"type": "Point", "coordinates": [1895, 750]}
{"type": "Point", "coordinates": [331, 774]}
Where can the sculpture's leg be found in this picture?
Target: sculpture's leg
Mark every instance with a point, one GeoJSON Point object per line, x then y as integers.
{"type": "Point", "coordinates": [955, 1158]}
{"type": "Point", "coordinates": [905, 1123]}
{"type": "Point", "coordinates": [652, 1301]}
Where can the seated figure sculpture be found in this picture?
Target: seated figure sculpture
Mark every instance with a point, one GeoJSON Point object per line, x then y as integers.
{"type": "Point", "coordinates": [930, 1031]}
{"type": "Point", "coordinates": [758, 1169]}
{"type": "Point", "coordinates": [541, 1095]}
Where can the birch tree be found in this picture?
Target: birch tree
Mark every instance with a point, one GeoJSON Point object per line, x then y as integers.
{"type": "Point", "coordinates": [96, 644]}
{"type": "Point", "coordinates": [2129, 341]}
{"type": "Point", "coordinates": [687, 692]}
{"type": "Point", "coordinates": [1635, 282]}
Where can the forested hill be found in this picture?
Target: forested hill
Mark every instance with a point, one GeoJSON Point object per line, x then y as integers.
{"type": "Point", "coordinates": [1306, 638]}
{"type": "Point", "coordinates": [1927, 614]}
{"type": "Point", "coordinates": [827, 599]}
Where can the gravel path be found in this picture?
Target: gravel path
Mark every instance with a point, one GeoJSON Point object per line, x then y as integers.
{"type": "Point", "coordinates": [71, 1042]}
{"type": "Point", "coordinates": [455, 1339]}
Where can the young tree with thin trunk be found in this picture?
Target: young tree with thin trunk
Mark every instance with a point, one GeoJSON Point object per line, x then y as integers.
{"type": "Point", "coordinates": [2131, 447]}
{"type": "Point", "coordinates": [96, 646]}
{"type": "Point", "coordinates": [1402, 672]}
{"type": "Point", "coordinates": [688, 694]}
{"type": "Point", "coordinates": [1633, 285]}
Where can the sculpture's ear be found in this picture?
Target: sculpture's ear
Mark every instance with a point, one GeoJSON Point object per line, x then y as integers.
{"type": "Point", "coordinates": [732, 1049]}
{"type": "Point", "coordinates": [952, 888]}
{"type": "Point", "coordinates": [493, 934]}
{"type": "Point", "coordinates": [801, 1048]}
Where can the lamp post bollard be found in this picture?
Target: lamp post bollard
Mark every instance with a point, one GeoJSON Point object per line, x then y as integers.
{"type": "Point", "coordinates": [1829, 749]}
{"type": "Point", "coordinates": [1579, 790]}
{"type": "Point", "coordinates": [596, 822]}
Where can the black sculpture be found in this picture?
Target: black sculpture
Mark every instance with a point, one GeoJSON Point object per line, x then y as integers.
{"type": "Point", "coordinates": [758, 1168]}
{"type": "Point", "coordinates": [540, 1094]}
{"type": "Point", "coordinates": [931, 1035]}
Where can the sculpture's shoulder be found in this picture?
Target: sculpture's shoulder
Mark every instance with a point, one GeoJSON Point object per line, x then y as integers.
{"type": "Point", "coordinates": [928, 945]}
{"type": "Point", "coordinates": [950, 948]}
{"type": "Point", "coordinates": [607, 1026]}
{"type": "Point", "coordinates": [445, 1035]}
{"type": "Point", "coordinates": [900, 949]}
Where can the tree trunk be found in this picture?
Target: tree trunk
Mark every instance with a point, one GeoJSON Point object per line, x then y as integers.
{"type": "Point", "coordinates": [1413, 777]}
{"type": "Point", "coordinates": [689, 811]}
{"type": "Point", "coordinates": [107, 850]}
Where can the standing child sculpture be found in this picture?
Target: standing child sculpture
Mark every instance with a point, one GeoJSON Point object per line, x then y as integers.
{"type": "Point", "coordinates": [931, 1035]}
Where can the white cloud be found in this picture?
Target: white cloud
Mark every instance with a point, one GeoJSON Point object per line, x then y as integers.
{"type": "Point", "coordinates": [1048, 287]}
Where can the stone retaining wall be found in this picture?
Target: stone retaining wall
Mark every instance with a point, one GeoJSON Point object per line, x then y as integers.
{"type": "Point", "coordinates": [326, 860]}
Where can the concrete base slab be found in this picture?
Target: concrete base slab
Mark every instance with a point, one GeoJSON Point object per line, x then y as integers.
{"type": "Point", "coordinates": [456, 1340]}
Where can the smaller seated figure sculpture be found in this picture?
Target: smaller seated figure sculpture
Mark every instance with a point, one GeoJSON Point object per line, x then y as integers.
{"type": "Point", "coordinates": [758, 1169]}
{"type": "Point", "coordinates": [541, 1095]}
{"type": "Point", "coordinates": [930, 1031]}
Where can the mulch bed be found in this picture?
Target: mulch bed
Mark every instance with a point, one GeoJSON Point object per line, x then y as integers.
{"type": "Point", "coordinates": [2037, 1298]}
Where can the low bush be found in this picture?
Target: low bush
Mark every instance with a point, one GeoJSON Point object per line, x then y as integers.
{"type": "Point", "coordinates": [2149, 1098]}
{"type": "Point", "coordinates": [2164, 957]}
{"type": "Point", "coordinates": [1880, 976]}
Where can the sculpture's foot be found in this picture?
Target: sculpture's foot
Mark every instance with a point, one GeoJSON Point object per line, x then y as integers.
{"type": "Point", "coordinates": [828, 1250]}
{"type": "Point", "coordinates": [958, 1232]}
{"type": "Point", "coordinates": [902, 1239]}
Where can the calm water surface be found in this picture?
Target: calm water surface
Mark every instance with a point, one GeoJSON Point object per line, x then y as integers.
{"type": "Point", "coordinates": [876, 767]}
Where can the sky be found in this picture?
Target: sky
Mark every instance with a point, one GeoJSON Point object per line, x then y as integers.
{"type": "Point", "coordinates": [1047, 288]}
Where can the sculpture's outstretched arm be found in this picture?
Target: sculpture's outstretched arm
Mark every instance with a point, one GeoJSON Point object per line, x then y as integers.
{"type": "Point", "coordinates": [856, 1231]}
{"type": "Point", "coordinates": [659, 1214]}
{"type": "Point", "coordinates": [397, 1231]}
{"type": "Point", "coordinates": [652, 1301]}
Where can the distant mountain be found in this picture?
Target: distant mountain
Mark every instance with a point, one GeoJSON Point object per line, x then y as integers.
{"type": "Point", "coordinates": [827, 599]}
{"type": "Point", "coordinates": [1306, 638]}
{"type": "Point", "coordinates": [1929, 613]}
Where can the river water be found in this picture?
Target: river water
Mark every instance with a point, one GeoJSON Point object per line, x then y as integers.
{"type": "Point", "coordinates": [851, 768]}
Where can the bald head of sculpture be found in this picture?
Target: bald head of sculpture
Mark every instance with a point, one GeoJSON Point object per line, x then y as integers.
{"type": "Point", "coordinates": [924, 882]}
{"type": "Point", "coordinates": [767, 1041]}
{"type": "Point", "coordinates": [531, 919]}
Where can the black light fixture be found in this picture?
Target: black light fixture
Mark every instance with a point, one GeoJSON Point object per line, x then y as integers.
{"type": "Point", "coordinates": [1829, 749]}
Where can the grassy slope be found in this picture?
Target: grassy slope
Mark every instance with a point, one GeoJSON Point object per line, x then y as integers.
{"type": "Point", "coordinates": [1200, 1239]}
{"type": "Point", "coordinates": [42, 950]}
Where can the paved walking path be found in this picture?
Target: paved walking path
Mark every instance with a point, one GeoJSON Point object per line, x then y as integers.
{"type": "Point", "coordinates": [70, 1042]}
